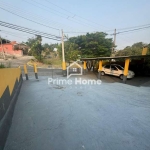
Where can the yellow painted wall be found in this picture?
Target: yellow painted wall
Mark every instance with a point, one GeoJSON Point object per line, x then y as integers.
{"type": "Point", "coordinates": [8, 78]}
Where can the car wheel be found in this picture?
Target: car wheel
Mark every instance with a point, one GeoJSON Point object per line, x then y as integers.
{"type": "Point", "coordinates": [102, 73]}
{"type": "Point", "coordinates": [121, 76]}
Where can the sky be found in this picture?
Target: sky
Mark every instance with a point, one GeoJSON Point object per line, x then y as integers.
{"type": "Point", "coordinates": [77, 17]}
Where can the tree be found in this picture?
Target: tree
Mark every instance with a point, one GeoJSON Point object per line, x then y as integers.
{"type": "Point", "coordinates": [94, 44]}
{"type": "Point", "coordinates": [30, 41]}
{"type": "Point", "coordinates": [89, 45]}
{"type": "Point", "coordinates": [135, 49]}
{"type": "Point", "coordinates": [71, 51]}
{"type": "Point", "coordinates": [35, 47]}
{"type": "Point", "coordinates": [48, 48]}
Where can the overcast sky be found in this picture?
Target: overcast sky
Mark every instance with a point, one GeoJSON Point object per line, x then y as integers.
{"type": "Point", "coordinates": [76, 17]}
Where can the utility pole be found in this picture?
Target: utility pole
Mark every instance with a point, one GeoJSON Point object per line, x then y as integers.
{"type": "Point", "coordinates": [63, 57]}
{"type": "Point", "coordinates": [2, 48]}
{"type": "Point", "coordinates": [6, 39]}
{"type": "Point", "coordinates": [114, 43]}
{"type": "Point", "coordinates": [114, 37]}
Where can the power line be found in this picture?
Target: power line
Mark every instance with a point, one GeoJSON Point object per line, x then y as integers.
{"type": "Point", "coordinates": [67, 16]}
{"type": "Point", "coordinates": [39, 32]}
{"type": "Point", "coordinates": [28, 19]}
{"type": "Point", "coordinates": [7, 6]}
{"type": "Point", "coordinates": [78, 32]}
{"type": "Point", "coordinates": [87, 31]}
{"type": "Point", "coordinates": [7, 33]}
{"type": "Point", "coordinates": [13, 33]}
{"type": "Point", "coordinates": [35, 2]}
{"type": "Point", "coordinates": [30, 31]}
{"type": "Point", "coordinates": [59, 7]}
{"type": "Point", "coordinates": [131, 30]}
{"type": "Point", "coordinates": [105, 31]}
{"type": "Point", "coordinates": [74, 32]}
{"type": "Point", "coordinates": [36, 5]}
{"type": "Point", "coordinates": [133, 27]}
{"type": "Point", "coordinates": [76, 15]}
{"type": "Point", "coordinates": [125, 33]}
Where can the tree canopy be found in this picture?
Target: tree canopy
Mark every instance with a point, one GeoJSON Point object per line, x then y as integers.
{"type": "Point", "coordinates": [135, 49]}
{"type": "Point", "coordinates": [89, 45]}
{"type": "Point", "coordinates": [35, 47]}
{"type": "Point", "coordinates": [93, 44]}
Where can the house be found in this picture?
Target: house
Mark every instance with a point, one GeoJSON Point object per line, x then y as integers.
{"type": "Point", "coordinates": [12, 48]}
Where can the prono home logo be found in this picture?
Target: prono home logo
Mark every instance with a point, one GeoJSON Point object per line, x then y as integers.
{"type": "Point", "coordinates": [74, 69]}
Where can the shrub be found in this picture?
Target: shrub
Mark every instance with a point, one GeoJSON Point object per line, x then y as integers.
{"type": "Point", "coordinates": [2, 66]}
{"type": "Point", "coordinates": [48, 62]}
{"type": "Point", "coordinates": [8, 65]}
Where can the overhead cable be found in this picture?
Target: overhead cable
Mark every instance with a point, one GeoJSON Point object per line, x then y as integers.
{"type": "Point", "coordinates": [30, 31]}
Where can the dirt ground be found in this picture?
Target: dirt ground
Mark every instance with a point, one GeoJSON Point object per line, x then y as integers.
{"type": "Point", "coordinates": [18, 61]}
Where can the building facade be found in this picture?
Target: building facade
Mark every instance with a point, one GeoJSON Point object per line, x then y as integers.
{"type": "Point", "coordinates": [12, 48]}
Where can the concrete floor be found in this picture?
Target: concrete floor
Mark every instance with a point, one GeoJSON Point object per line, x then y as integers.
{"type": "Point", "coordinates": [136, 81]}
{"type": "Point", "coordinates": [112, 116]}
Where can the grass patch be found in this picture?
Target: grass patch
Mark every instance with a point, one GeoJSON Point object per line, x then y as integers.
{"type": "Point", "coordinates": [47, 62]}
{"type": "Point", "coordinates": [8, 65]}
{"type": "Point", "coordinates": [2, 66]}
{"type": "Point", "coordinates": [55, 62]}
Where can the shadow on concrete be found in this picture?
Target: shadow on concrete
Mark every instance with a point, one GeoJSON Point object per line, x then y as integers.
{"type": "Point", "coordinates": [136, 81]}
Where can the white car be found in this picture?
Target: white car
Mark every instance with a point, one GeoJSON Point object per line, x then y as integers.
{"type": "Point", "coordinates": [116, 70]}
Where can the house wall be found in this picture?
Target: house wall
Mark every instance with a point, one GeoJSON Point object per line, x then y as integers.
{"type": "Point", "coordinates": [8, 49]}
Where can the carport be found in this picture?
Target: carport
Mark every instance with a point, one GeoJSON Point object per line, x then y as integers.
{"type": "Point", "coordinates": [126, 64]}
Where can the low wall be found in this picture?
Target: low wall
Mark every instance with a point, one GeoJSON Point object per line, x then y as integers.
{"type": "Point", "coordinates": [10, 84]}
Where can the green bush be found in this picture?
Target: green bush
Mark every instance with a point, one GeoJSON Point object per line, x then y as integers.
{"type": "Point", "coordinates": [39, 58]}
{"type": "Point", "coordinates": [48, 62]}
{"type": "Point", "coordinates": [8, 65]}
{"type": "Point", "coordinates": [2, 66]}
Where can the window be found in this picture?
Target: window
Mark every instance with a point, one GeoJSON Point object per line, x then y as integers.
{"type": "Point", "coordinates": [113, 68]}
{"type": "Point", "coordinates": [107, 67]}
{"type": "Point", "coordinates": [119, 67]}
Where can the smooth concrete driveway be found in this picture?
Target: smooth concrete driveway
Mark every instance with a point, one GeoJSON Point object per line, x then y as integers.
{"type": "Point", "coordinates": [42, 72]}
{"type": "Point", "coordinates": [136, 81]}
{"type": "Point", "coordinates": [112, 116]}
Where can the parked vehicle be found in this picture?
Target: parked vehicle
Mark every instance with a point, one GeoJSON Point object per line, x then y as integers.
{"type": "Point", "coordinates": [116, 70]}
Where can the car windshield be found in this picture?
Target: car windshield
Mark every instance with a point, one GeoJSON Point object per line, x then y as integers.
{"type": "Point", "coordinates": [120, 68]}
